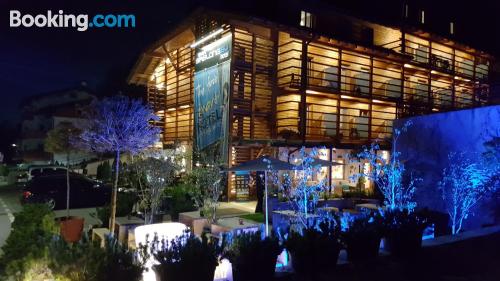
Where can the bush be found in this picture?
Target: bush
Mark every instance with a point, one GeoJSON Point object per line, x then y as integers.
{"type": "Point", "coordinates": [4, 170]}
{"type": "Point", "coordinates": [32, 230]}
{"type": "Point", "coordinates": [185, 258]}
{"type": "Point", "coordinates": [124, 207]}
{"type": "Point", "coordinates": [315, 251]}
{"type": "Point", "coordinates": [253, 257]}
{"type": "Point", "coordinates": [178, 200]}
{"type": "Point", "coordinates": [104, 171]}
{"type": "Point", "coordinates": [362, 238]}
{"type": "Point", "coordinates": [403, 232]}
{"type": "Point", "coordinates": [87, 261]}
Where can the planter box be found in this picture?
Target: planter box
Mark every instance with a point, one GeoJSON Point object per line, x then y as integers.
{"type": "Point", "coordinates": [281, 219]}
{"type": "Point", "coordinates": [235, 225]}
{"type": "Point", "coordinates": [194, 221]}
{"type": "Point", "coordinates": [99, 234]}
{"type": "Point", "coordinates": [123, 225]}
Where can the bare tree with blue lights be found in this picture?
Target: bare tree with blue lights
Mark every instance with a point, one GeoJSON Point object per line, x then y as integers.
{"type": "Point", "coordinates": [388, 174]}
{"type": "Point", "coordinates": [118, 125]}
{"type": "Point", "coordinates": [301, 191]}
{"type": "Point", "coordinates": [463, 186]}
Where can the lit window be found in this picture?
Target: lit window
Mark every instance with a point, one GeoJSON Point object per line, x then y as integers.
{"type": "Point", "coordinates": [306, 19]}
{"type": "Point", "coordinates": [338, 170]}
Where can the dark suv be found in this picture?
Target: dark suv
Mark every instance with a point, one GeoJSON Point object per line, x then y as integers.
{"type": "Point", "coordinates": [51, 189]}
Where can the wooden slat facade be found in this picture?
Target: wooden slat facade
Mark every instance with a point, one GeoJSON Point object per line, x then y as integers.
{"type": "Point", "coordinates": [295, 87]}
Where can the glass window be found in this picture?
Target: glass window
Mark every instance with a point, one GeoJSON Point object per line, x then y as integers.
{"type": "Point", "coordinates": [338, 170]}
{"type": "Point", "coordinates": [306, 19]}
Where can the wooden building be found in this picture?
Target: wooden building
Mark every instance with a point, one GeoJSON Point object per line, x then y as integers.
{"type": "Point", "coordinates": [301, 84]}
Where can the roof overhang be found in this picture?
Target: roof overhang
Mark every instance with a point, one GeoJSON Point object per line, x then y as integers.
{"type": "Point", "coordinates": [180, 36]}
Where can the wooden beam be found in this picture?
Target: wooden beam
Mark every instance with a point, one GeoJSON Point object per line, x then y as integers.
{"type": "Point", "coordinates": [167, 53]}
{"type": "Point", "coordinates": [158, 55]}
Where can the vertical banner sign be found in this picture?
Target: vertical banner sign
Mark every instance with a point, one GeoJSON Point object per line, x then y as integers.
{"type": "Point", "coordinates": [211, 93]}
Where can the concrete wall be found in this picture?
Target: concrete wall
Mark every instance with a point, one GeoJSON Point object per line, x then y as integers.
{"type": "Point", "coordinates": [426, 145]}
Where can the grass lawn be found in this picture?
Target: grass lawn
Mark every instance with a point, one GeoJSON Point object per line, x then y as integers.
{"type": "Point", "coordinates": [257, 217]}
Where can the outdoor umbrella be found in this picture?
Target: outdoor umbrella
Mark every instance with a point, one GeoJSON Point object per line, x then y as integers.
{"type": "Point", "coordinates": [318, 162]}
{"type": "Point", "coordinates": [265, 164]}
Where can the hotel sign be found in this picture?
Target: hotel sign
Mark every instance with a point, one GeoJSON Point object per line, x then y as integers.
{"type": "Point", "coordinates": [213, 53]}
{"type": "Point", "coordinates": [211, 93]}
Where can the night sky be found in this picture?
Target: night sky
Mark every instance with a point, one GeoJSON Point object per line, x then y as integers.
{"type": "Point", "coordinates": [34, 60]}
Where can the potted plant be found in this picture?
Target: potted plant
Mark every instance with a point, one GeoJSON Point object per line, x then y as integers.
{"type": "Point", "coordinates": [315, 251]}
{"type": "Point", "coordinates": [362, 238]}
{"type": "Point", "coordinates": [59, 140]}
{"type": "Point", "coordinates": [205, 184]}
{"type": "Point", "coordinates": [71, 228]}
{"type": "Point", "coordinates": [403, 232]}
{"type": "Point", "coordinates": [153, 176]}
{"type": "Point", "coordinates": [252, 256]}
{"type": "Point", "coordinates": [185, 258]}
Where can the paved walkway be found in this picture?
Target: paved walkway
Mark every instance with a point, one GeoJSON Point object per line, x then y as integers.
{"type": "Point", "coordinates": [242, 207]}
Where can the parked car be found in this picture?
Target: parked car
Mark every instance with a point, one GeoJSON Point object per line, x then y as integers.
{"type": "Point", "coordinates": [36, 171]}
{"type": "Point", "coordinates": [84, 192]}
{"type": "Point", "coordinates": [22, 179]}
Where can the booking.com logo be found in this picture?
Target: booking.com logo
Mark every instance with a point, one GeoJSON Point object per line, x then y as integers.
{"type": "Point", "coordinates": [61, 20]}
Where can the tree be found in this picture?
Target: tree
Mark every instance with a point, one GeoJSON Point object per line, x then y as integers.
{"type": "Point", "coordinates": [153, 176]}
{"type": "Point", "coordinates": [59, 140]}
{"type": "Point", "coordinates": [464, 184]}
{"type": "Point", "coordinates": [300, 190]}
{"type": "Point", "coordinates": [118, 125]}
{"type": "Point", "coordinates": [207, 188]}
{"type": "Point", "coordinates": [388, 174]}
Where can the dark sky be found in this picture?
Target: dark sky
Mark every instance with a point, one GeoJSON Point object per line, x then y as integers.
{"type": "Point", "coordinates": [34, 61]}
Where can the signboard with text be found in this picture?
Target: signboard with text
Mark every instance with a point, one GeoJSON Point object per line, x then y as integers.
{"type": "Point", "coordinates": [211, 92]}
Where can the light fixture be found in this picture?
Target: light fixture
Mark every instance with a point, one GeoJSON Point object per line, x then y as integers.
{"type": "Point", "coordinates": [171, 109]}
{"type": "Point", "coordinates": [311, 92]}
{"type": "Point", "coordinates": [377, 101]}
{"type": "Point", "coordinates": [206, 38]}
{"type": "Point", "coordinates": [407, 65]}
{"type": "Point", "coordinates": [184, 106]}
{"type": "Point", "coordinates": [346, 97]}
{"type": "Point", "coordinates": [433, 72]}
{"type": "Point", "coordinates": [167, 231]}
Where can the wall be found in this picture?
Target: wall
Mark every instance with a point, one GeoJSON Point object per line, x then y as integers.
{"type": "Point", "coordinates": [426, 145]}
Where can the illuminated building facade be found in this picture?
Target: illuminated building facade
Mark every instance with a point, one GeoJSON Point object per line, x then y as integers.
{"type": "Point", "coordinates": [328, 80]}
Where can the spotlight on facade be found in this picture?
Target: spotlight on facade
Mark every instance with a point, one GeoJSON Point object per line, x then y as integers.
{"type": "Point", "coordinates": [206, 38]}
